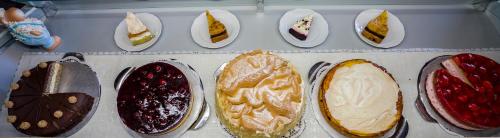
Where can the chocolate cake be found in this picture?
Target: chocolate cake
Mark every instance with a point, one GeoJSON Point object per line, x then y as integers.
{"type": "Point", "coordinates": [154, 99]}
{"type": "Point", "coordinates": [32, 110]}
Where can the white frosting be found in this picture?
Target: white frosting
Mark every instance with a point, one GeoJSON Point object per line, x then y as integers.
{"type": "Point", "coordinates": [134, 25]}
{"type": "Point", "coordinates": [302, 26]}
{"type": "Point", "coordinates": [362, 98]}
{"type": "Point", "coordinates": [141, 36]}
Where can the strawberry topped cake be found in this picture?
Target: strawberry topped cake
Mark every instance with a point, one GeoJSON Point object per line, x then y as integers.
{"type": "Point", "coordinates": [467, 91]}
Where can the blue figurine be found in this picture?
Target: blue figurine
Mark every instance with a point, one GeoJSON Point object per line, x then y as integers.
{"type": "Point", "coordinates": [30, 31]}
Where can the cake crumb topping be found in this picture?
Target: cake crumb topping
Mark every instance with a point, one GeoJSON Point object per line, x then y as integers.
{"type": "Point", "coordinates": [11, 118]}
{"type": "Point", "coordinates": [25, 125]}
{"type": "Point", "coordinates": [9, 104]}
{"type": "Point", "coordinates": [72, 99]}
{"type": "Point", "coordinates": [42, 65]}
{"type": "Point", "coordinates": [58, 114]}
{"type": "Point", "coordinates": [26, 73]}
{"type": "Point", "coordinates": [42, 124]}
{"type": "Point", "coordinates": [14, 86]}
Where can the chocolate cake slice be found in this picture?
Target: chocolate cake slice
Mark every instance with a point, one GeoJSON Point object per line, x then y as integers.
{"type": "Point", "coordinates": [34, 111]}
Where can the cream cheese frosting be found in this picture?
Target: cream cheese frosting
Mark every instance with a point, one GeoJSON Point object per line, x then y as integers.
{"type": "Point", "coordinates": [259, 93]}
{"type": "Point", "coordinates": [134, 25]}
{"type": "Point", "coordinates": [362, 98]}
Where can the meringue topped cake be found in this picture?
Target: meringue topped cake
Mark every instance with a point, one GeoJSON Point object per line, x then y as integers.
{"type": "Point", "coordinates": [216, 29]}
{"type": "Point", "coordinates": [376, 30]}
{"type": "Point", "coordinates": [466, 91]}
{"type": "Point", "coordinates": [259, 94]}
{"type": "Point", "coordinates": [360, 99]}
{"type": "Point", "coordinates": [300, 29]}
{"type": "Point", "coordinates": [138, 33]}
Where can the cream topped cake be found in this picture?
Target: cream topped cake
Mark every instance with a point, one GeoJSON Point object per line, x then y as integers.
{"type": "Point", "coordinates": [300, 29]}
{"type": "Point", "coordinates": [138, 33]}
{"type": "Point", "coordinates": [259, 94]}
{"type": "Point", "coordinates": [360, 98]}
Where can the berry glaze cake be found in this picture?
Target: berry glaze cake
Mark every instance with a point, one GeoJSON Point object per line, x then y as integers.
{"type": "Point", "coordinates": [466, 91]}
{"type": "Point", "coordinates": [155, 99]}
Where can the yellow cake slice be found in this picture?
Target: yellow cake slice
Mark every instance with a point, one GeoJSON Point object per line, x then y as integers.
{"type": "Point", "coordinates": [216, 29]}
{"type": "Point", "coordinates": [376, 30]}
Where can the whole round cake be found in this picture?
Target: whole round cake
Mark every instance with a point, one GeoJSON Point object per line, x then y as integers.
{"type": "Point", "coordinates": [33, 110]}
{"type": "Point", "coordinates": [259, 94]}
{"type": "Point", "coordinates": [154, 99]}
{"type": "Point", "coordinates": [466, 92]}
{"type": "Point", "coordinates": [360, 99]}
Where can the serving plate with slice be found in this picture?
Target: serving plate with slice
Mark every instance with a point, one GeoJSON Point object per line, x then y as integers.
{"type": "Point", "coordinates": [396, 32]}
{"type": "Point", "coordinates": [152, 22]}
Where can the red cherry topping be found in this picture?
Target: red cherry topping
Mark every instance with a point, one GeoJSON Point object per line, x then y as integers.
{"type": "Point", "coordinates": [158, 68]}
{"type": "Point", "coordinates": [163, 82]}
{"type": "Point", "coordinates": [473, 107]}
{"type": "Point", "coordinates": [477, 106]}
{"type": "Point", "coordinates": [150, 76]}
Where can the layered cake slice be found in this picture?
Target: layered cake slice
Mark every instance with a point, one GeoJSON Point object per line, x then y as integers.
{"type": "Point", "coordinates": [216, 29]}
{"type": "Point", "coordinates": [138, 33]}
{"type": "Point", "coordinates": [466, 93]}
{"type": "Point", "coordinates": [300, 29]}
{"type": "Point", "coordinates": [376, 30]}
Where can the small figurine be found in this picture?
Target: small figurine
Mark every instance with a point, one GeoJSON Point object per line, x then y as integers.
{"type": "Point", "coordinates": [30, 31]}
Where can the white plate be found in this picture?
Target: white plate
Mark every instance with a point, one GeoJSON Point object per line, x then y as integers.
{"type": "Point", "coordinates": [199, 29]}
{"type": "Point", "coordinates": [152, 22]}
{"type": "Point", "coordinates": [317, 33]}
{"type": "Point", "coordinates": [396, 32]}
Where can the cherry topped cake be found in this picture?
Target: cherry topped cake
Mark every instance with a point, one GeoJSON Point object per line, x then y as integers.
{"type": "Point", "coordinates": [35, 107]}
{"type": "Point", "coordinates": [466, 92]}
{"type": "Point", "coordinates": [154, 99]}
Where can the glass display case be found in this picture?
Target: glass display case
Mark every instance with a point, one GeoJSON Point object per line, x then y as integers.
{"type": "Point", "coordinates": [408, 45]}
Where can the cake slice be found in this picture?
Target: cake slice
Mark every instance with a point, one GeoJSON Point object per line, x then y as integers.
{"type": "Point", "coordinates": [300, 29]}
{"type": "Point", "coordinates": [216, 29]}
{"type": "Point", "coordinates": [376, 30]}
{"type": "Point", "coordinates": [138, 33]}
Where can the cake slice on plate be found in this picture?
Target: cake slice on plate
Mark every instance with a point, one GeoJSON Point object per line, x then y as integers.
{"type": "Point", "coordinates": [376, 30]}
{"type": "Point", "coordinates": [216, 29]}
{"type": "Point", "coordinates": [300, 29]}
{"type": "Point", "coordinates": [138, 33]}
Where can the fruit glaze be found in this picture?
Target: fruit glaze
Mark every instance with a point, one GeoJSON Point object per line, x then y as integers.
{"type": "Point", "coordinates": [475, 101]}
{"type": "Point", "coordinates": [155, 98]}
